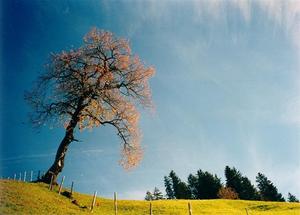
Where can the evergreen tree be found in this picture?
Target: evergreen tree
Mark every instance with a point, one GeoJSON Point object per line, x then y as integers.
{"type": "Point", "coordinates": [169, 188]}
{"type": "Point", "coordinates": [175, 182]}
{"type": "Point", "coordinates": [233, 179]}
{"type": "Point", "coordinates": [157, 195]}
{"type": "Point", "coordinates": [248, 191]}
{"type": "Point", "coordinates": [267, 191]}
{"type": "Point", "coordinates": [193, 186]}
{"type": "Point", "coordinates": [292, 198]}
{"type": "Point", "coordinates": [240, 184]}
{"type": "Point", "coordinates": [180, 189]}
{"type": "Point", "coordinates": [208, 185]}
{"type": "Point", "coordinates": [149, 196]}
{"type": "Point", "coordinates": [183, 191]}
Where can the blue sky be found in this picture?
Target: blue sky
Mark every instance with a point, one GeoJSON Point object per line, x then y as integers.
{"type": "Point", "coordinates": [226, 90]}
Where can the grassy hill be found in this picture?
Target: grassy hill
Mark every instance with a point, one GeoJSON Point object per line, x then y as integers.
{"type": "Point", "coordinates": [35, 198]}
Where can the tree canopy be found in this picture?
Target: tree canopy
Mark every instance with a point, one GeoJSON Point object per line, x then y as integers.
{"type": "Point", "coordinates": [100, 83]}
{"type": "Point", "coordinates": [292, 198]}
{"type": "Point", "coordinates": [240, 184]}
{"type": "Point", "coordinates": [267, 190]}
{"type": "Point", "coordinates": [175, 188]}
{"type": "Point", "coordinates": [204, 185]}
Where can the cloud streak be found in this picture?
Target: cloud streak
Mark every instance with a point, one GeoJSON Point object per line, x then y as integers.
{"type": "Point", "coordinates": [26, 157]}
{"type": "Point", "coordinates": [283, 15]}
{"type": "Point", "coordinates": [87, 152]}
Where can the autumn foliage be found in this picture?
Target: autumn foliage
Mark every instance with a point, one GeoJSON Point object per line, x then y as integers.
{"type": "Point", "coordinates": [100, 83]}
{"type": "Point", "coordinates": [227, 193]}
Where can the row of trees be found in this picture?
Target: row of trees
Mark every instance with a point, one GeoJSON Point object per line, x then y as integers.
{"type": "Point", "coordinates": [204, 185]}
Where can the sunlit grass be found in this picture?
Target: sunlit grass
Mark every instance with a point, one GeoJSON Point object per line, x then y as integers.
{"type": "Point", "coordinates": [35, 198]}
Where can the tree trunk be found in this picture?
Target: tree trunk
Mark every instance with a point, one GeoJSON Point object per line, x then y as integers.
{"type": "Point", "coordinates": [58, 163]}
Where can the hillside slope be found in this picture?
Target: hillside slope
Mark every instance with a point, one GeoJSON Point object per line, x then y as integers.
{"type": "Point", "coordinates": [35, 198]}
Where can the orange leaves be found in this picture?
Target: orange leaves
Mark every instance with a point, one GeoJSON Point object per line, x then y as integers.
{"type": "Point", "coordinates": [108, 81]}
{"type": "Point", "coordinates": [122, 62]}
{"type": "Point", "coordinates": [131, 156]}
{"type": "Point", "coordinates": [120, 68]}
{"type": "Point", "coordinates": [106, 41]}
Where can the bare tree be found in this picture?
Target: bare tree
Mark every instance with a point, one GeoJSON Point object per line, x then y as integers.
{"type": "Point", "coordinates": [100, 83]}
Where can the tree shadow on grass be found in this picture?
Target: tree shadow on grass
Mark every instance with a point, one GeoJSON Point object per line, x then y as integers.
{"type": "Point", "coordinates": [74, 201]}
{"type": "Point", "coordinates": [263, 207]}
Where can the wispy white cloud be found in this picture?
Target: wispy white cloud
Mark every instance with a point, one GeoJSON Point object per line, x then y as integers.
{"type": "Point", "coordinates": [285, 15]}
{"type": "Point", "coordinates": [26, 157]}
{"type": "Point", "coordinates": [244, 7]}
{"type": "Point", "coordinates": [87, 152]}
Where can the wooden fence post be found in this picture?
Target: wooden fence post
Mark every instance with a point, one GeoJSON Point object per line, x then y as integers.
{"type": "Point", "coordinates": [94, 201]}
{"type": "Point", "coordinates": [20, 177]}
{"type": "Point", "coordinates": [24, 176]}
{"type": "Point", "coordinates": [39, 175]}
{"type": "Point", "coordinates": [15, 176]}
{"type": "Point", "coordinates": [190, 209]}
{"type": "Point", "coordinates": [151, 208]}
{"type": "Point", "coordinates": [115, 203]}
{"type": "Point", "coordinates": [50, 185]}
{"type": "Point", "coordinates": [61, 184]}
{"type": "Point", "coordinates": [31, 173]}
{"type": "Point", "coordinates": [246, 211]}
{"type": "Point", "coordinates": [72, 188]}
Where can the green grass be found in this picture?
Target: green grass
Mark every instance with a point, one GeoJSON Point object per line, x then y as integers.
{"type": "Point", "coordinates": [35, 198]}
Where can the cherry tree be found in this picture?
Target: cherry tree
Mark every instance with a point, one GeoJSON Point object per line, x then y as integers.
{"type": "Point", "coordinates": [100, 83]}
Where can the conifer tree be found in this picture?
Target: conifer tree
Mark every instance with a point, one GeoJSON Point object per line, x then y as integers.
{"type": "Point", "coordinates": [193, 186]}
{"type": "Point", "coordinates": [267, 190]}
{"type": "Point", "coordinates": [149, 196]}
{"type": "Point", "coordinates": [233, 179]}
{"type": "Point", "coordinates": [157, 195]}
{"type": "Point", "coordinates": [208, 185]}
{"type": "Point", "coordinates": [179, 189]}
{"type": "Point", "coordinates": [169, 188]}
{"type": "Point", "coordinates": [240, 184]}
{"type": "Point", "coordinates": [292, 198]}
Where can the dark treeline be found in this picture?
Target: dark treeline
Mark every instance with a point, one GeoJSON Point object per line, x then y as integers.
{"type": "Point", "coordinates": [204, 185]}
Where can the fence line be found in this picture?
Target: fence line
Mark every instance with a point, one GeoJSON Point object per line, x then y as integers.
{"type": "Point", "coordinates": [150, 208]}
{"type": "Point", "coordinates": [246, 211]}
{"type": "Point", "coordinates": [61, 184]}
{"type": "Point", "coordinates": [115, 203]}
{"type": "Point", "coordinates": [93, 203]}
{"type": "Point", "coordinates": [51, 182]}
{"type": "Point", "coordinates": [71, 193]}
{"type": "Point", "coordinates": [24, 176]}
{"type": "Point", "coordinates": [190, 209]}
{"type": "Point", "coordinates": [39, 175]}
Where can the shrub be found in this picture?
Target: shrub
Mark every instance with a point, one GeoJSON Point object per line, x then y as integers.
{"type": "Point", "coordinates": [227, 193]}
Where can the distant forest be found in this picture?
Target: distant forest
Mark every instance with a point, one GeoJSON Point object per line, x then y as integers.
{"type": "Point", "coordinates": [205, 185]}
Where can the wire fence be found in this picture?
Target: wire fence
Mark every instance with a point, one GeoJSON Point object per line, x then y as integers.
{"type": "Point", "coordinates": [32, 176]}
